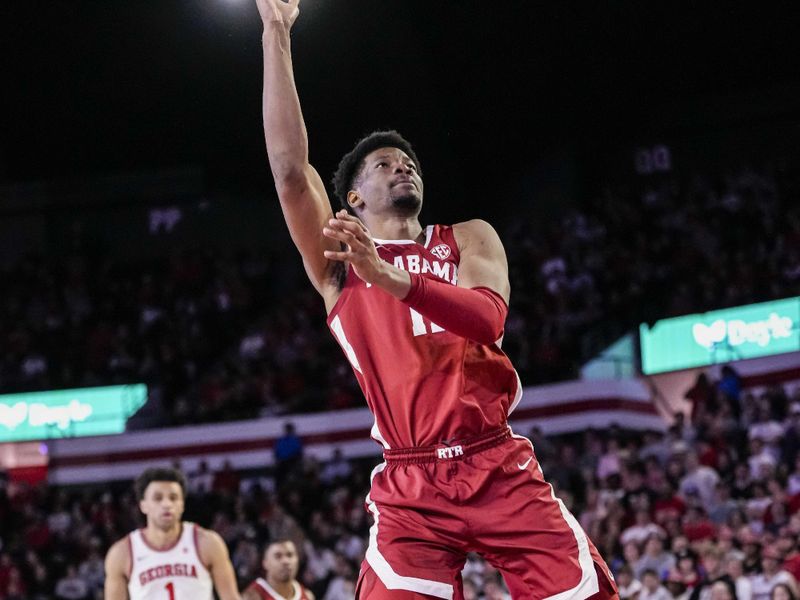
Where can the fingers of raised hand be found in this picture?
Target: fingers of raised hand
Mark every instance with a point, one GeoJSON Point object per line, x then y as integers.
{"type": "Point", "coordinates": [279, 10]}
{"type": "Point", "coordinates": [293, 11]}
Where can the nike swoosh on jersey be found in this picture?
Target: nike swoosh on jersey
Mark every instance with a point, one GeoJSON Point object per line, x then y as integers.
{"type": "Point", "coordinates": [524, 465]}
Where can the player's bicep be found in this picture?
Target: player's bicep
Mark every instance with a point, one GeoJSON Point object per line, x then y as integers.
{"type": "Point", "coordinates": [307, 209]}
{"type": "Point", "coordinates": [483, 260]}
{"type": "Point", "coordinates": [117, 567]}
{"type": "Point", "coordinates": [214, 550]}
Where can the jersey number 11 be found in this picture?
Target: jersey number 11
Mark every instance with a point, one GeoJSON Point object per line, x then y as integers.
{"type": "Point", "coordinates": [418, 324]}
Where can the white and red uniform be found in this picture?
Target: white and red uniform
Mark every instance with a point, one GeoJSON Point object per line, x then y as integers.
{"type": "Point", "coordinates": [455, 479]}
{"type": "Point", "coordinates": [173, 573]}
{"type": "Point", "coordinates": [265, 590]}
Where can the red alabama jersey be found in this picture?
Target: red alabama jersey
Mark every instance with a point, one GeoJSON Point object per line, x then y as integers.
{"type": "Point", "coordinates": [265, 590]}
{"type": "Point", "coordinates": [424, 385]}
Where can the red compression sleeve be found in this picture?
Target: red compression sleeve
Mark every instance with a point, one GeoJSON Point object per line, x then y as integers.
{"type": "Point", "coordinates": [478, 313]}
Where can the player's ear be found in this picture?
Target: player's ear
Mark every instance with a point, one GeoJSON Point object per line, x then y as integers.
{"type": "Point", "coordinates": [354, 199]}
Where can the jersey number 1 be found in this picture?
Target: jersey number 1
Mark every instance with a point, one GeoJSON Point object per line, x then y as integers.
{"type": "Point", "coordinates": [418, 324]}
{"type": "Point", "coordinates": [171, 589]}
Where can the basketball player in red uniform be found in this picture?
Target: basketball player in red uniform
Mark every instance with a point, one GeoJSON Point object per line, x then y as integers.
{"type": "Point", "coordinates": [169, 559]}
{"type": "Point", "coordinates": [420, 312]}
{"type": "Point", "coordinates": [280, 565]}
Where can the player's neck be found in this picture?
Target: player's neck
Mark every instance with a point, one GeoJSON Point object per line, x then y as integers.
{"type": "Point", "coordinates": [284, 588]}
{"type": "Point", "coordinates": [161, 539]}
{"type": "Point", "coordinates": [394, 227]}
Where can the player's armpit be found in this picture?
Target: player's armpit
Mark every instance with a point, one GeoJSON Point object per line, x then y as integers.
{"type": "Point", "coordinates": [483, 260]}
{"type": "Point", "coordinates": [117, 567]}
{"type": "Point", "coordinates": [307, 209]}
{"type": "Point", "coordinates": [214, 553]}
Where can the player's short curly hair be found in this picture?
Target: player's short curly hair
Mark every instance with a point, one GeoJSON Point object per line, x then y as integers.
{"type": "Point", "coordinates": [158, 474]}
{"type": "Point", "coordinates": [351, 164]}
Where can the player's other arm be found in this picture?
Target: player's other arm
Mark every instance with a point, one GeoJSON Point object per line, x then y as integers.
{"type": "Point", "coordinates": [302, 194]}
{"type": "Point", "coordinates": [117, 567]}
{"type": "Point", "coordinates": [483, 261]}
{"type": "Point", "coordinates": [475, 309]}
{"type": "Point", "coordinates": [214, 554]}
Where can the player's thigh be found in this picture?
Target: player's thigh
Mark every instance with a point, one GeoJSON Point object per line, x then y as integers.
{"type": "Point", "coordinates": [530, 536]}
{"type": "Point", "coordinates": [370, 587]}
{"type": "Point", "coordinates": [416, 542]}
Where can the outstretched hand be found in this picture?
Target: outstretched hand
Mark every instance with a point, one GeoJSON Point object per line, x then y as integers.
{"type": "Point", "coordinates": [359, 250]}
{"type": "Point", "coordinates": [280, 11]}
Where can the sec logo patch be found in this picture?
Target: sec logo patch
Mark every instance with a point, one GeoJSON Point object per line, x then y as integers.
{"type": "Point", "coordinates": [441, 251]}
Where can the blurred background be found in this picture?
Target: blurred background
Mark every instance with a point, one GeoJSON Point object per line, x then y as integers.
{"type": "Point", "coordinates": [640, 162]}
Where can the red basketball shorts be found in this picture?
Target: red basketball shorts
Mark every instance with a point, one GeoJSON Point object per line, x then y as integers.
{"type": "Point", "coordinates": [431, 506]}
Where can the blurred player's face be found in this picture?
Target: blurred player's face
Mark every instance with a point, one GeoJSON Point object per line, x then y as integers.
{"type": "Point", "coordinates": [281, 562]}
{"type": "Point", "coordinates": [389, 182]}
{"type": "Point", "coordinates": [162, 504]}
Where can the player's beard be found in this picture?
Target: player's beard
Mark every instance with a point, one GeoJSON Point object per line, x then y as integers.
{"type": "Point", "coordinates": [407, 203]}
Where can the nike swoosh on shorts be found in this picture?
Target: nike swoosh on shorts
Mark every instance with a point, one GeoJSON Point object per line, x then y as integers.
{"type": "Point", "coordinates": [524, 465]}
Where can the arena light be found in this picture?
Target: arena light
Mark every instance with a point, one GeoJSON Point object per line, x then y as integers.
{"type": "Point", "coordinates": [721, 336]}
{"type": "Point", "coordinates": [69, 413]}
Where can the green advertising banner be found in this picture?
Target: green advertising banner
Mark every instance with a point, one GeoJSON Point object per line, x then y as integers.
{"type": "Point", "coordinates": [69, 413]}
{"type": "Point", "coordinates": [721, 336]}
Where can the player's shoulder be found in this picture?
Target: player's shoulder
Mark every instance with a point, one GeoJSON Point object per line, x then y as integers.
{"type": "Point", "coordinates": [474, 227]}
{"type": "Point", "coordinates": [119, 556]}
{"type": "Point", "coordinates": [474, 231]}
{"type": "Point", "coordinates": [210, 545]}
{"type": "Point", "coordinates": [308, 593]}
{"type": "Point", "coordinates": [206, 535]}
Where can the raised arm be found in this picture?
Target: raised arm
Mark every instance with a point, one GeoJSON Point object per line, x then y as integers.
{"type": "Point", "coordinates": [117, 567]}
{"type": "Point", "coordinates": [302, 194]}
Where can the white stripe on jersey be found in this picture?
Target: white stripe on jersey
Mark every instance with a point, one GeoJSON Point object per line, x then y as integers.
{"type": "Point", "coordinates": [269, 589]}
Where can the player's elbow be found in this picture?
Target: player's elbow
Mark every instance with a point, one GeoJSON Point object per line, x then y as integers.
{"type": "Point", "coordinates": [488, 333]}
{"type": "Point", "coordinates": [490, 323]}
{"type": "Point", "coordinates": [288, 170]}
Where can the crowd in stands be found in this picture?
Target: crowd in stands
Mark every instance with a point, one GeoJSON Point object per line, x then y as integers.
{"type": "Point", "coordinates": [711, 241]}
{"type": "Point", "coordinates": [709, 510]}
{"type": "Point", "coordinates": [223, 335]}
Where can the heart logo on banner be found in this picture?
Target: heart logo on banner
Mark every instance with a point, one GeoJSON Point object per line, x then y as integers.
{"type": "Point", "coordinates": [708, 335]}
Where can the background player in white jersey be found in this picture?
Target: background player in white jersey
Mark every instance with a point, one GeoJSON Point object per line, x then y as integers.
{"type": "Point", "coordinates": [169, 559]}
{"type": "Point", "coordinates": [280, 563]}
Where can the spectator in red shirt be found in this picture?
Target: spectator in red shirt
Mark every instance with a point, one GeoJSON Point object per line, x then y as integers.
{"type": "Point", "coordinates": [697, 526]}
